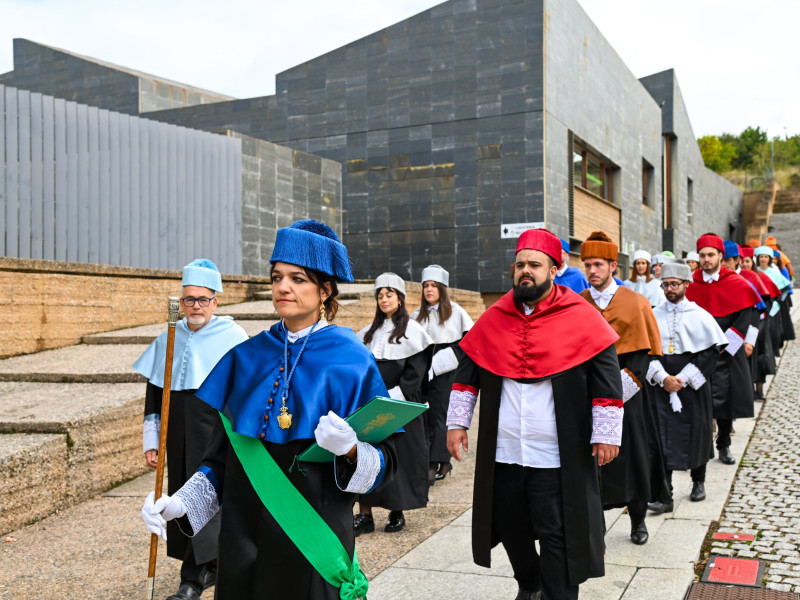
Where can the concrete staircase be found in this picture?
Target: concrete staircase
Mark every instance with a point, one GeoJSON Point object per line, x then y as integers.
{"type": "Point", "coordinates": [71, 418]}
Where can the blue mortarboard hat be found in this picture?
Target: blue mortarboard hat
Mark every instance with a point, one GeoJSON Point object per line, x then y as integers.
{"type": "Point", "coordinates": [731, 249]}
{"type": "Point", "coordinates": [202, 273]}
{"type": "Point", "coordinates": [564, 245]}
{"type": "Point", "coordinates": [313, 245]}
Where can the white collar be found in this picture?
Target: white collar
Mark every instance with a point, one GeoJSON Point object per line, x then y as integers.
{"type": "Point", "coordinates": [528, 310]}
{"type": "Point", "coordinates": [434, 306]}
{"type": "Point", "coordinates": [294, 336]}
{"type": "Point", "coordinates": [606, 293]}
{"type": "Point", "coordinates": [709, 278]}
{"type": "Point", "coordinates": [679, 307]}
{"type": "Point", "coordinates": [563, 269]}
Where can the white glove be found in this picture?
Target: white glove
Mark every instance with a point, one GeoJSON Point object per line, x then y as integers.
{"type": "Point", "coordinates": [334, 434]}
{"type": "Point", "coordinates": [157, 514]}
{"type": "Point", "coordinates": [675, 402]}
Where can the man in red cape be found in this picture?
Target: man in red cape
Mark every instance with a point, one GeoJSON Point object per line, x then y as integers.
{"type": "Point", "coordinates": [545, 364]}
{"type": "Point", "coordinates": [731, 300]}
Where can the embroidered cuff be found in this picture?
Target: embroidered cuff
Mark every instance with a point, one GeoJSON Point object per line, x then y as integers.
{"type": "Point", "coordinates": [444, 361]}
{"type": "Point", "coordinates": [368, 472]}
{"type": "Point", "coordinates": [396, 393]}
{"type": "Point", "coordinates": [751, 336]}
{"type": "Point", "coordinates": [201, 501]}
{"type": "Point", "coordinates": [692, 376]}
{"type": "Point", "coordinates": [630, 385]}
{"type": "Point", "coordinates": [462, 405]}
{"type": "Point", "coordinates": [607, 425]}
{"type": "Point", "coordinates": [656, 374]}
{"type": "Point", "coordinates": [151, 432]}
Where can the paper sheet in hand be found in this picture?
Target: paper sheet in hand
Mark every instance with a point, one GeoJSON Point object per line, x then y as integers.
{"type": "Point", "coordinates": [373, 423]}
{"type": "Point", "coordinates": [735, 341]}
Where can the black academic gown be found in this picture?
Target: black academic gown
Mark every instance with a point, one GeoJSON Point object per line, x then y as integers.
{"type": "Point", "coordinates": [765, 357]}
{"type": "Point", "coordinates": [731, 382]}
{"type": "Point", "coordinates": [257, 559]}
{"type": "Point", "coordinates": [637, 473]}
{"type": "Point", "coordinates": [786, 320]}
{"type": "Point", "coordinates": [409, 488]}
{"type": "Point", "coordinates": [191, 422]}
{"type": "Point", "coordinates": [438, 399]}
{"type": "Point", "coordinates": [573, 391]}
{"type": "Point", "coordinates": [686, 437]}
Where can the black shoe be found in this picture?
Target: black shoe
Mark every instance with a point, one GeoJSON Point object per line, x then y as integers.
{"type": "Point", "coordinates": [185, 592]}
{"type": "Point", "coordinates": [525, 595]}
{"type": "Point", "coordinates": [698, 492]}
{"type": "Point", "coordinates": [444, 469]}
{"type": "Point", "coordinates": [395, 522]}
{"type": "Point", "coordinates": [639, 535]}
{"type": "Point", "coordinates": [726, 457]}
{"type": "Point", "coordinates": [363, 523]}
{"type": "Point", "coordinates": [661, 507]}
{"type": "Point", "coordinates": [758, 396]}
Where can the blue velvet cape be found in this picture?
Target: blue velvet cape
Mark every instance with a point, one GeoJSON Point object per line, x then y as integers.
{"type": "Point", "coordinates": [336, 372]}
{"type": "Point", "coordinates": [573, 279]}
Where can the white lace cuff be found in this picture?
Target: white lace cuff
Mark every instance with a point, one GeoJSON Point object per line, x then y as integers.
{"type": "Point", "coordinates": [630, 387]}
{"type": "Point", "coordinates": [692, 375]}
{"type": "Point", "coordinates": [607, 425]}
{"type": "Point", "coordinates": [656, 374]}
{"type": "Point", "coordinates": [368, 467]}
{"type": "Point", "coordinates": [751, 336]}
{"type": "Point", "coordinates": [462, 406]}
{"type": "Point", "coordinates": [151, 432]}
{"type": "Point", "coordinates": [200, 499]}
{"type": "Point", "coordinates": [444, 361]}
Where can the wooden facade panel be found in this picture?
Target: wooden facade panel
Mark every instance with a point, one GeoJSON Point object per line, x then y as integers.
{"type": "Point", "coordinates": [592, 214]}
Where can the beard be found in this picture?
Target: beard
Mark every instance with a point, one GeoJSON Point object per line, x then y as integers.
{"type": "Point", "coordinates": [534, 291]}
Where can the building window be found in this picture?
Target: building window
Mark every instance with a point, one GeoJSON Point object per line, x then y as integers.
{"type": "Point", "coordinates": [593, 173]}
{"type": "Point", "coordinates": [689, 201]}
{"type": "Point", "coordinates": [648, 183]}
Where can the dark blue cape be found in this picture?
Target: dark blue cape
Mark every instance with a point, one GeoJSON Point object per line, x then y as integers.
{"type": "Point", "coordinates": [573, 279]}
{"type": "Point", "coordinates": [336, 372]}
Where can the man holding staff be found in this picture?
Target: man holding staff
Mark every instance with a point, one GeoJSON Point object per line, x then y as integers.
{"type": "Point", "coordinates": [201, 339]}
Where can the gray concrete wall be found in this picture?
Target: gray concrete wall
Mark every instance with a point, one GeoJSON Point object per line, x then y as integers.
{"type": "Point", "coordinates": [590, 91]}
{"type": "Point", "coordinates": [280, 186]}
{"type": "Point", "coordinates": [785, 227]}
{"type": "Point", "coordinates": [437, 121]}
{"type": "Point", "coordinates": [717, 203]}
{"type": "Point", "coordinates": [62, 74]}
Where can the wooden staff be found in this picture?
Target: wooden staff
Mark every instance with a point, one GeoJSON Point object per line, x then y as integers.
{"type": "Point", "coordinates": [172, 319]}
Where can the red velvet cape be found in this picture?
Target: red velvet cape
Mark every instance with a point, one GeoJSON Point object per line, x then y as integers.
{"type": "Point", "coordinates": [774, 290]}
{"type": "Point", "coordinates": [721, 298]}
{"type": "Point", "coordinates": [753, 278]}
{"type": "Point", "coordinates": [563, 332]}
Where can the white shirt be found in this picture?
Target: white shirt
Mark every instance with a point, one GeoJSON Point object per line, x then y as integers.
{"type": "Point", "coordinates": [562, 270]}
{"type": "Point", "coordinates": [709, 278]}
{"type": "Point", "coordinates": [298, 335]}
{"type": "Point", "coordinates": [679, 307]}
{"type": "Point", "coordinates": [603, 299]}
{"type": "Point", "coordinates": [526, 429]}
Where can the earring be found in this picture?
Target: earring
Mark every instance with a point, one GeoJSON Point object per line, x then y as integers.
{"type": "Point", "coordinates": [322, 312]}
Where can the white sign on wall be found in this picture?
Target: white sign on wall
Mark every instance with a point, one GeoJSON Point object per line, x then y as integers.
{"type": "Point", "coordinates": [514, 230]}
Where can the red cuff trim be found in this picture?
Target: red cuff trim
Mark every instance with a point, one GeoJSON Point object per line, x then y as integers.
{"type": "Point", "coordinates": [607, 402]}
{"type": "Point", "coordinates": [737, 332]}
{"type": "Point", "coordinates": [460, 387]}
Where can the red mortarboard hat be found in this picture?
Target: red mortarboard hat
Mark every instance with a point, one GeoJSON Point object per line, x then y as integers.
{"type": "Point", "coordinates": [543, 241]}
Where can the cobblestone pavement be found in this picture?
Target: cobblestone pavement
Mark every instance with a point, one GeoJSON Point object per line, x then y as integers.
{"type": "Point", "coordinates": [763, 500]}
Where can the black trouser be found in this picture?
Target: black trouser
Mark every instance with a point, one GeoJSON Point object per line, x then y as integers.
{"type": "Point", "coordinates": [193, 574]}
{"type": "Point", "coordinates": [724, 428]}
{"type": "Point", "coordinates": [526, 506]}
{"type": "Point", "coordinates": [698, 476]}
{"type": "Point", "coordinates": [637, 510]}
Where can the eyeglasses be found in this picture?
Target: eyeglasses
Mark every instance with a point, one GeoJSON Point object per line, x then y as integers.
{"type": "Point", "coordinates": [668, 285]}
{"type": "Point", "coordinates": [202, 301]}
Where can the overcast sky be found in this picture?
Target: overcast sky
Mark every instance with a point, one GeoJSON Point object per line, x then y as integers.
{"type": "Point", "coordinates": [736, 60]}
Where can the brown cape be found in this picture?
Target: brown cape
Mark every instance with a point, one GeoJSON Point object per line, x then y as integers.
{"type": "Point", "coordinates": [630, 315]}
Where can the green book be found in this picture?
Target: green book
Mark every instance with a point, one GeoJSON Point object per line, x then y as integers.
{"type": "Point", "coordinates": [373, 423]}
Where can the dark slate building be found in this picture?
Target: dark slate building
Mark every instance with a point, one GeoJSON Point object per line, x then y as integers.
{"type": "Point", "coordinates": [474, 116]}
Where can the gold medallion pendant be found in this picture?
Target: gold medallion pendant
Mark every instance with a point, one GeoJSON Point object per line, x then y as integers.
{"type": "Point", "coordinates": [285, 418]}
{"type": "Point", "coordinates": [671, 349]}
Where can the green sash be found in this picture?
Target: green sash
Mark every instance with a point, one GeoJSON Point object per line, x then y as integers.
{"type": "Point", "coordinates": [297, 517]}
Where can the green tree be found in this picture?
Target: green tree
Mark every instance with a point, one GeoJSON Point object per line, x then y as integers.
{"type": "Point", "coordinates": [749, 147]}
{"type": "Point", "coordinates": [717, 155]}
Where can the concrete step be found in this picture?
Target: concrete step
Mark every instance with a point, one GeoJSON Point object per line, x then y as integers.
{"type": "Point", "coordinates": [33, 481]}
{"type": "Point", "coordinates": [145, 334]}
{"type": "Point", "coordinates": [76, 364]}
{"type": "Point", "coordinates": [61, 444]}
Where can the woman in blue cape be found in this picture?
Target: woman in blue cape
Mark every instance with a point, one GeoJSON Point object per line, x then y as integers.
{"type": "Point", "coordinates": [286, 388]}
